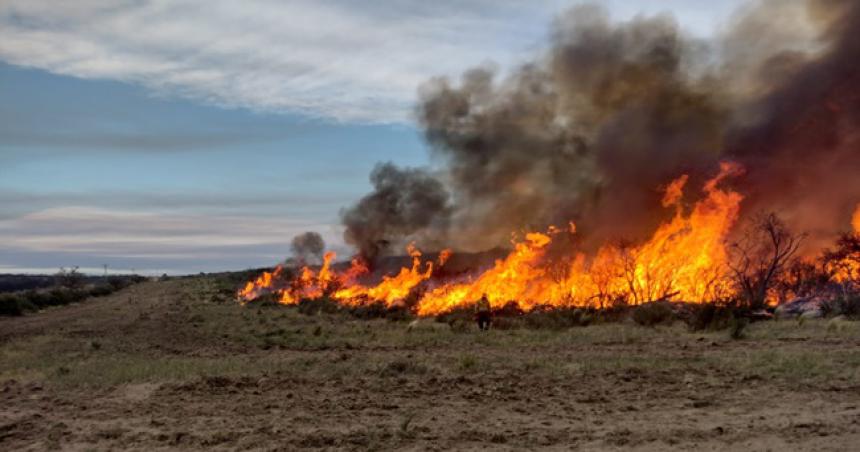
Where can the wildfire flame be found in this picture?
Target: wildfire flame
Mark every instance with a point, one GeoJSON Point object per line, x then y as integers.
{"type": "Point", "coordinates": [391, 289]}
{"type": "Point", "coordinates": [343, 287]}
{"type": "Point", "coordinates": [855, 220]}
{"type": "Point", "coordinates": [685, 259]}
{"type": "Point", "coordinates": [847, 269]}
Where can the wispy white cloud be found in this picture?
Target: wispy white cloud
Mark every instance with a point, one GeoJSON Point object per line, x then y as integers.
{"type": "Point", "coordinates": [175, 242]}
{"type": "Point", "coordinates": [346, 60]}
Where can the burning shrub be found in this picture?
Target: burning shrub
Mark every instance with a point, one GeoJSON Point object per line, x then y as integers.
{"type": "Point", "coordinates": [653, 314]}
{"type": "Point", "coordinates": [803, 278]}
{"type": "Point", "coordinates": [760, 258]}
{"type": "Point", "coordinates": [843, 261]}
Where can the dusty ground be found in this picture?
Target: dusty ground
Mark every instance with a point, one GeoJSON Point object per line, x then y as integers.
{"type": "Point", "coordinates": [168, 365]}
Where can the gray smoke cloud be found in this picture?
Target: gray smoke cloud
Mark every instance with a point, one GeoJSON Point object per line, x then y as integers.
{"type": "Point", "coordinates": [590, 130]}
{"type": "Point", "coordinates": [404, 202]}
{"type": "Point", "coordinates": [308, 247]}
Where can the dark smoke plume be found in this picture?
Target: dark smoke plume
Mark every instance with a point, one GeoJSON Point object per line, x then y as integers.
{"type": "Point", "coordinates": [404, 202]}
{"type": "Point", "coordinates": [308, 247]}
{"type": "Point", "coordinates": [591, 129]}
{"type": "Point", "coordinates": [802, 146]}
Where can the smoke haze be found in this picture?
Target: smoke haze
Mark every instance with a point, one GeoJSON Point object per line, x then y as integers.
{"type": "Point", "coordinates": [590, 130]}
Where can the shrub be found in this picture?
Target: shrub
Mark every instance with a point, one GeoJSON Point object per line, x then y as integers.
{"type": "Point", "coordinates": [508, 323]}
{"type": "Point", "coordinates": [710, 316]}
{"type": "Point", "coordinates": [316, 306]}
{"type": "Point", "coordinates": [562, 318]}
{"type": "Point", "coordinates": [54, 297]}
{"type": "Point", "coordinates": [617, 311]}
{"type": "Point", "coordinates": [117, 282]}
{"type": "Point", "coordinates": [848, 305]}
{"type": "Point", "coordinates": [36, 298]}
{"type": "Point", "coordinates": [101, 290]}
{"type": "Point", "coordinates": [510, 309]}
{"type": "Point", "coordinates": [459, 315]}
{"type": "Point", "coordinates": [33, 299]}
{"type": "Point", "coordinates": [71, 278]}
{"type": "Point", "coordinates": [828, 308]}
{"type": "Point", "coordinates": [269, 300]}
{"type": "Point", "coordinates": [399, 314]}
{"type": "Point", "coordinates": [653, 314]}
{"type": "Point", "coordinates": [62, 296]}
{"type": "Point", "coordinates": [373, 310]}
{"type": "Point", "coordinates": [10, 305]}
{"type": "Point", "coordinates": [737, 327]}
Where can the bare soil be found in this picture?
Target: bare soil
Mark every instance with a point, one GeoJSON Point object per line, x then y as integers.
{"type": "Point", "coordinates": [178, 365]}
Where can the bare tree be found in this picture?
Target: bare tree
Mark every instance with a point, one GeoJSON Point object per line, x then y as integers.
{"type": "Point", "coordinates": [760, 257]}
{"type": "Point", "coordinates": [70, 278]}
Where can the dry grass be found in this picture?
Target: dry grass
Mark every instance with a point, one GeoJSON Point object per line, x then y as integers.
{"type": "Point", "coordinates": [190, 340]}
{"type": "Point", "coordinates": [215, 328]}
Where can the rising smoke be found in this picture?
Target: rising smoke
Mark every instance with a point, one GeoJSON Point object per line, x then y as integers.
{"type": "Point", "coordinates": [802, 145]}
{"type": "Point", "coordinates": [404, 203]}
{"type": "Point", "coordinates": [590, 130]}
{"type": "Point", "coordinates": [308, 247]}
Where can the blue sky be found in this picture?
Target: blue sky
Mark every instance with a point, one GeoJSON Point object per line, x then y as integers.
{"type": "Point", "coordinates": [169, 136]}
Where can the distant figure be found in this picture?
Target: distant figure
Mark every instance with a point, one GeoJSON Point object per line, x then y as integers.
{"type": "Point", "coordinates": [482, 313]}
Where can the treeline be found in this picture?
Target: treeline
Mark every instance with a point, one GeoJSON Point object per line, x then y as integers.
{"type": "Point", "coordinates": [67, 286]}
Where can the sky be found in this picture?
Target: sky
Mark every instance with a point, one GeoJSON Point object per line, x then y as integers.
{"type": "Point", "coordinates": [179, 136]}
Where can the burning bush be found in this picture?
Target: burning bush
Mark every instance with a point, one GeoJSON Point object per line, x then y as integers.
{"type": "Point", "coordinates": [761, 257]}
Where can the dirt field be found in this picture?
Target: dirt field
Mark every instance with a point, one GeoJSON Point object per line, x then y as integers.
{"type": "Point", "coordinates": [175, 364]}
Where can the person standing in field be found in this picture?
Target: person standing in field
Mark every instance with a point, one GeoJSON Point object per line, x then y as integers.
{"type": "Point", "coordinates": [482, 313]}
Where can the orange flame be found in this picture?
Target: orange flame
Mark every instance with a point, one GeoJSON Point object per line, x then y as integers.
{"type": "Point", "coordinates": [392, 289]}
{"type": "Point", "coordinates": [855, 220]}
{"type": "Point", "coordinates": [847, 269]}
{"type": "Point", "coordinates": [685, 259]}
{"type": "Point", "coordinates": [258, 286]}
{"type": "Point", "coordinates": [343, 287]}
{"type": "Point", "coordinates": [444, 255]}
{"type": "Point", "coordinates": [674, 191]}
